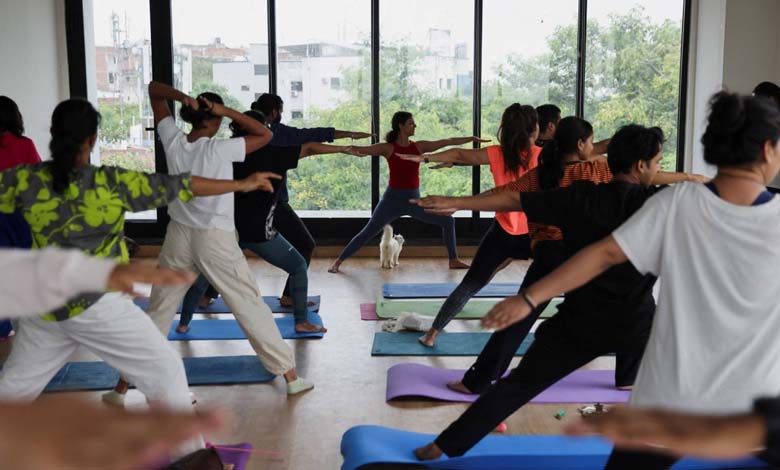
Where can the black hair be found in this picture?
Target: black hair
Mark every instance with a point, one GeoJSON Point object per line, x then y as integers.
{"type": "Point", "coordinates": [399, 119]}
{"type": "Point", "coordinates": [571, 130]}
{"type": "Point", "coordinates": [72, 123]}
{"type": "Point", "coordinates": [547, 113]}
{"type": "Point", "coordinates": [737, 128]}
{"type": "Point", "coordinates": [267, 103]}
{"type": "Point", "coordinates": [518, 123]}
{"type": "Point", "coordinates": [10, 118]}
{"type": "Point", "coordinates": [196, 116]}
{"type": "Point", "coordinates": [632, 143]}
{"type": "Point", "coordinates": [769, 90]}
{"type": "Point", "coordinates": [239, 131]}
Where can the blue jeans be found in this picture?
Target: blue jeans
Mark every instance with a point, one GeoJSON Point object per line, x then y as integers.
{"type": "Point", "coordinates": [395, 204]}
{"type": "Point", "coordinates": [280, 253]}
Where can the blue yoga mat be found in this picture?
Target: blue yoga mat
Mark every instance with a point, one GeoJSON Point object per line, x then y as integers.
{"type": "Point", "coordinates": [218, 370]}
{"type": "Point", "coordinates": [229, 329]}
{"type": "Point", "coordinates": [447, 344]}
{"type": "Point", "coordinates": [363, 445]}
{"type": "Point", "coordinates": [440, 290]}
{"type": "Point", "coordinates": [219, 305]}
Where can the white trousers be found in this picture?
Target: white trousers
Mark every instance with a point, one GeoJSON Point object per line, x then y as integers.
{"type": "Point", "coordinates": [116, 331]}
{"type": "Point", "coordinates": [216, 254]}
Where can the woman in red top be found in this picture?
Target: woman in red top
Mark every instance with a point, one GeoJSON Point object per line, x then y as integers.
{"type": "Point", "coordinates": [507, 238]}
{"type": "Point", "coordinates": [14, 150]}
{"type": "Point", "coordinates": [404, 185]}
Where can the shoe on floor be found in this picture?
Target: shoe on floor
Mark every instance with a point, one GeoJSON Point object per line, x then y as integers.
{"type": "Point", "coordinates": [299, 385]}
{"type": "Point", "coordinates": [114, 399]}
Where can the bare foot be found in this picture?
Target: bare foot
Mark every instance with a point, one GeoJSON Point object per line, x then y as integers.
{"type": "Point", "coordinates": [459, 387]}
{"type": "Point", "coordinates": [429, 452]}
{"type": "Point", "coordinates": [455, 263]}
{"type": "Point", "coordinates": [286, 301]}
{"type": "Point", "coordinates": [626, 388]}
{"type": "Point", "coordinates": [307, 327]}
{"type": "Point", "coordinates": [334, 268]}
{"type": "Point", "coordinates": [429, 338]}
{"type": "Point", "coordinates": [181, 329]}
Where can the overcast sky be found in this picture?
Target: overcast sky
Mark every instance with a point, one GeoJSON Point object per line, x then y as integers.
{"type": "Point", "coordinates": [509, 25]}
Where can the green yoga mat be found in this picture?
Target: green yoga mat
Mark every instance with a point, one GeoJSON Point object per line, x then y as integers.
{"type": "Point", "coordinates": [474, 309]}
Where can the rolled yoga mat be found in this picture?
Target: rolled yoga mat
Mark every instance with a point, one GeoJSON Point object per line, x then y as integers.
{"type": "Point", "coordinates": [217, 370]}
{"type": "Point", "coordinates": [474, 309]}
{"type": "Point", "coordinates": [229, 329]}
{"type": "Point", "coordinates": [442, 290]}
{"type": "Point", "coordinates": [219, 305]}
{"type": "Point", "coordinates": [363, 445]}
{"type": "Point", "coordinates": [447, 344]}
{"type": "Point", "coordinates": [582, 386]}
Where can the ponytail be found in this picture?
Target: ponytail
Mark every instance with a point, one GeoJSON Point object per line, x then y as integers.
{"type": "Point", "coordinates": [552, 161]}
{"type": "Point", "coordinates": [518, 124]}
{"type": "Point", "coordinates": [399, 119]}
{"type": "Point", "coordinates": [72, 123]}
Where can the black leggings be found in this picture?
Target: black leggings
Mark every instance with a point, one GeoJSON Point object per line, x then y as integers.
{"type": "Point", "coordinates": [495, 248]}
{"type": "Point", "coordinates": [628, 459]}
{"type": "Point", "coordinates": [292, 228]}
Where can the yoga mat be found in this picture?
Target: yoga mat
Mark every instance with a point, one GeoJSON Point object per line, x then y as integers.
{"type": "Point", "coordinates": [441, 290]}
{"type": "Point", "coordinates": [474, 309]}
{"type": "Point", "coordinates": [217, 370]}
{"type": "Point", "coordinates": [219, 305]}
{"type": "Point", "coordinates": [363, 445]}
{"type": "Point", "coordinates": [229, 329]}
{"type": "Point", "coordinates": [582, 386]}
{"type": "Point", "coordinates": [368, 312]}
{"type": "Point", "coordinates": [447, 344]}
{"type": "Point", "coordinates": [232, 454]}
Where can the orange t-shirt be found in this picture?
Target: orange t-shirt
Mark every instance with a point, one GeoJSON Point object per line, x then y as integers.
{"type": "Point", "coordinates": [595, 170]}
{"type": "Point", "coordinates": [514, 223]}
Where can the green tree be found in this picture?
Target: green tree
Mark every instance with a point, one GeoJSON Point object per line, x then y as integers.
{"type": "Point", "coordinates": [117, 118]}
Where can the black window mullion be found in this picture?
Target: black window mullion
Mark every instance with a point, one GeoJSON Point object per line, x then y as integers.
{"type": "Point", "coordinates": [582, 40]}
{"type": "Point", "coordinates": [77, 56]}
{"type": "Point", "coordinates": [375, 101]}
{"type": "Point", "coordinates": [477, 99]}
{"type": "Point", "coordinates": [272, 68]}
{"type": "Point", "coordinates": [682, 106]}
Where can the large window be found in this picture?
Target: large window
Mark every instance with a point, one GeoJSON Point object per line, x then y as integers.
{"type": "Point", "coordinates": [426, 67]}
{"type": "Point", "coordinates": [324, 63]}
{"type": "Point", "coordinates": [541, 68]}
{"type": "Point", "coordinates": [632, 67]}
{"type": "Point", "coordinates": [119, 56]}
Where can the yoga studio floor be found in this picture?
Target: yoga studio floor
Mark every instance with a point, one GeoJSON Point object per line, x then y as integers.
{"type": "Point", "coordinates": [350, 383]}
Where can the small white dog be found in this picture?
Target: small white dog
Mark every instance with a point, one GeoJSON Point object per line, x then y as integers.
{"type": "Point", "coordinates": [390, 248]}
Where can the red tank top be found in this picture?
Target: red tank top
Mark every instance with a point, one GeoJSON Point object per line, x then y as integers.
{"type": "Point", "coordinates": [403, 173]}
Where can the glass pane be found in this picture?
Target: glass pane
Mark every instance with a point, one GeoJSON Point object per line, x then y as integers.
{"type": "Point", "coordinates": [221, 49]}
{"type": "Point", "coordinates": [426, 68]}
{"type": "Point", "coordinates": [633, 67]}
{"type": "Point", "coordinates": [118, 77]}
{"type": "Point", "coordinates": [540, 68]}
{"type": "Point", "coordinates": [324, 63]}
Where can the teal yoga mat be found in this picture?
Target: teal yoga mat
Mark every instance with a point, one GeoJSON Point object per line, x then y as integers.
{"type": "Point", "coordinates": [441, 290]}
{"type": "Point", "coordinates": [447, 344]}
{"type": "Point", "coordinates": [474, 309]}
{"type": "Point", "coordinates": [229, 329]}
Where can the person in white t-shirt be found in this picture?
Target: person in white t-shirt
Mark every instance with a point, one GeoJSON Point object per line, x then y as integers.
{"type": "Point", "coordinates": [713, 347]}
{"type": "Point", "coordinates": [201, 235]}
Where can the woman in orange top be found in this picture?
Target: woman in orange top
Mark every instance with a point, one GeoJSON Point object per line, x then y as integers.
{"type": "Point", "coordinates": [507, 238]}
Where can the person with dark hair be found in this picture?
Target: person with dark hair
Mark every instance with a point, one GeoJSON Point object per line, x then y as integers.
{"type": "Point", "coordinates": [15, 149]}
{"type": "Point", "coordinates": [611, 314]}
{"type": "Point", "coordinates": [256, 226]}
{"type": "Point", "coordinates": [549, 117]}
{"type": "Point", "coordinates": [287, 221]}
{"type": "Point", "coordinates": [403, 185]}
{"type": "Point", "coordinates": [72, 204]}
{"type": "Point", "coordinates": [507, 238]}
{"type": "Point", "coordinates": [719, 280]}
{"type": "Point", "coordinates": [768, 90]}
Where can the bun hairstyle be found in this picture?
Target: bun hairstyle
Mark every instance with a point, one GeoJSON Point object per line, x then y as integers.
{"type": "Point", "coordinates": [570, 131]}
{"type": "Point", "coordinates": [738, 127]}
{"type": "Point", "coordinates": [239, 131]}
{"type": "Point", "coordinates": [632, 143]}
{"type": "Point", "coordinates": [399, 119]}
{"type": "Point", "coordinates": [10, 118]}
{"type": "Point", "coordinates": [768, 89]}
{"type": "Point", "coordinates": [518, 123]}
{"type": "Point", "coordinates": [72, 123]}
{"type": "Point", "coordinates": [196, 117]}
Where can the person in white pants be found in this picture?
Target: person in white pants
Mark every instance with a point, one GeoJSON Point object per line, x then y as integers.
{"type": "Point", "coordinates": [202, 234]}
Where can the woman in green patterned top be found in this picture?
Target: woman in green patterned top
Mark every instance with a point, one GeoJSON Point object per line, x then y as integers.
{"type": "Point", "coordinates": [70, 203]}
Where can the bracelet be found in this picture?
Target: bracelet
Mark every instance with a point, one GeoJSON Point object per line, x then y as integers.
{"type": "Point", "coordinates": [426, 160]}
{"type": "Point", "coordinates": [528, 300]}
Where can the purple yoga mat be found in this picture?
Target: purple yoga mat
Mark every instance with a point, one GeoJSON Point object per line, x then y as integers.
{"type": "Point", "coordinates": [368, 312]}
{"type": "Point", "coordinates": [236, 454]}
{"type": "Point", "coordinates": [582, 386]}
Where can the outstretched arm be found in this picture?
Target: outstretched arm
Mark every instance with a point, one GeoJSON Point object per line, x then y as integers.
{"type": "Point", "coordinates": [457, 156]}
{"type": "Point", "coordinates": [384, 149]}
{"type": "Point", "coordinates": [426, 146]}
{"type": "Point", "coordinates": [578, 270]}
{"type": "Point", "coordinates": [504, 201]}
{"type": "Point", "coordinates": [337, 134]}
{"type": "Point", "coordinates": [600, 148]}
{"type": "Point", "coordinates": [667, 177]}
{"type": "Point", "coordinates": [211, 187]}
{"type": "Point", "coordinates": [315, 148]}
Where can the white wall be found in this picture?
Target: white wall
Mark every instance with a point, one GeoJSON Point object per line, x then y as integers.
{"type": "Point", "coordinates": [752, 44]}
{"type": "Point", "coordinates": [34, 62]}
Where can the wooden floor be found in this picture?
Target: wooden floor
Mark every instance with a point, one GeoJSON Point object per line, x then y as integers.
{"type": "Point", "coordinates": [350, 384]}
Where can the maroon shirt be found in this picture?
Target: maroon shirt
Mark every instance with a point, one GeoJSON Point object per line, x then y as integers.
{"type": "Point", "coordinates": [16, 151]}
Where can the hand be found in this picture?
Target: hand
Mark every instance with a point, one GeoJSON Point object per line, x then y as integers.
{"type": "Point", "coordinates": [718, 437]}
{"type": "Point", "coordinates": [360, 135]}
{"type": "Point", "coordinates": [124, 275]}
{"type": "Point", "coordinates": [350, 150]}
{"type": "Point", "coordinates": [66, 432]}
{"type": "Point", "coordinates": [412, 158]}
{"type": "Point", "coordinates": [699, 178]}
{"type": "Point", "coordinates": [191, 102]}
{"type": "Point", "coordinates": [215, 109]}
{"type": "Point", "coordinates": [479, 139]}
{"type": "Point", "coordinates": [259, 181]}
{"type": "Point", "coordinates": [439, 205]}
{"type": "Point", "coordinates": [507, 312]}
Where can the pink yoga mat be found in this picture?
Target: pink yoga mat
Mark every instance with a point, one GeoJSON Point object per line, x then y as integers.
{"type": "Point", "coordinates": [368, 312]}
{"type": "Point", "coordinates": [582, 386]}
